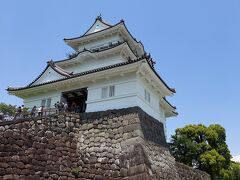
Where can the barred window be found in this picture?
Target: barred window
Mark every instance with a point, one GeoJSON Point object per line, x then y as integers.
{"type": "Point", "coordinates": [104, 92]}
{"type": "Point", "coordinates": [49, 102]}
{"type": "Point", "coordinates": [111, 91]}
{"type": "Point", "coordinates": [147, 96]}
{"type": "Point", "coordinates": [43, 102]}
{"type": "Point", "coordinates": [108, 91]}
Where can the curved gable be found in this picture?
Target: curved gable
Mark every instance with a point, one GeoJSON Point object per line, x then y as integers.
{"type": "Point", "coordinates": [97, 26]}
{"type": "Point", "coordinates": [48, 75]}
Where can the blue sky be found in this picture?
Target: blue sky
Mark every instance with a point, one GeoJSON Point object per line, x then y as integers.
{"type": "Point", "coordinates": [196, 45]}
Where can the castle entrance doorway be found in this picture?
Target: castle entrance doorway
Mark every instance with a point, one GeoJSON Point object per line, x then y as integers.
{"type": "Point", "coordinates": [76, 100]}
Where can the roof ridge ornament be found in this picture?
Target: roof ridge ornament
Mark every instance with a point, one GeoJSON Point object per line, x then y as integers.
{"type": "Point", "coordinates": [51, 62]}
{"type": "Point", "coordinates": [57, 68]}
{"type": "Point", "coordinates": [99, 17]}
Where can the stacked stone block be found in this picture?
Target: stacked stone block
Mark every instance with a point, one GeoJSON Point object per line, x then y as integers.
{"type": "Point", "coordinates": [115, 144]}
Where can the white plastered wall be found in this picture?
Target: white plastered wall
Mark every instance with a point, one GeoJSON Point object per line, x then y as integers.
{"type": "Point", "coordinates": [125, 93]}
{"type": "Point", "coordinates": [129, 92]}
{"type": "Point", "coordinates": [92, 63]}
{"type": "Point", "coordinates": [37, 99]}
{"type": "Point", "coordinates": [152, 108]}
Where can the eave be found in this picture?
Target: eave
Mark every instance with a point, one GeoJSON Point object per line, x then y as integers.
{"type": "Point", "coordinates": [119, 28]}
{"type": "Point", "coordinates": [119, 48]}
{"type": "Point", "coordinates": [84, 76]}
{"type": "Point", "coordinates": [145, 70]}
{"type": "Point", "coordinates": [169, 109]}
{"type": "Point", "coordinates": [85, 36]}
{"type": "Point", "coordinates": [149, 74]}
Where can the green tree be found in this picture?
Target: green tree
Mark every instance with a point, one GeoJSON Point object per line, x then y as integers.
{"type": "Point", "coordinates": [7, 109]}
{"type": "Point", "coordinates": [235, 171]}
{"type": "Point", "coordinates": [212, 162]}
{"type": "Point", "coordinates": [203, 148]}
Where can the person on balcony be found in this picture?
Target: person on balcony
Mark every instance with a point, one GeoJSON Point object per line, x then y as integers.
{"type": "Point", "coordinates": [65, 107]}
{"type": "Point", "coordinates": [18, 112]}
{"type": "Point", "coordinates": [40, 111]}
{"type": "Point", "coordinates": [33, 111]}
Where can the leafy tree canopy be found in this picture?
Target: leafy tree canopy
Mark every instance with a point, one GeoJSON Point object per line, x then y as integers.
{"type": "Point", "coordinates": [203, 148]}
{"type": "Point", "coordinates": [235, 171]}
{"type": "Point", "coordinates": [7, 109]}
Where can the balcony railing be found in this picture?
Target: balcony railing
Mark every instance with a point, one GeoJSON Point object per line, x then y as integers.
{"type": "Point", "coordinates": [44, 113]}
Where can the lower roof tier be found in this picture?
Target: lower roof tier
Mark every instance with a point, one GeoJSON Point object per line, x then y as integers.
{"type": "Point", "coordinates": [142, 66]}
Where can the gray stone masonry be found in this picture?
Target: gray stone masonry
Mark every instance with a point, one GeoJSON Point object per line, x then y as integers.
{"type": "Point", "coordinates": [116, 144]}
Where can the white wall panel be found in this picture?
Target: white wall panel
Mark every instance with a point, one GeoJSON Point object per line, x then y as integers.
{"type": "Point", "coordinates": [90, 64]}
{"type": "Point", "coordinates": [36, 100]}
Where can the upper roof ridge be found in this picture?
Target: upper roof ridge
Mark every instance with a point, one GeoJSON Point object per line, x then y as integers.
{"type": "Point", "coordinates": [97, 50]}
{"type": "Point", "coordinates": [99, 17]}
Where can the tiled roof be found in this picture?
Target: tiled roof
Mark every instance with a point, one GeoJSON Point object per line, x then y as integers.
{"type": "Point", "coordinates": [174, 107]}
{"type": "Point", "coordinates": [101, 49]}
{"type": "Point", "coordinates": [94, 71]}
{"type": "Point", "coordinates": [55, 67]}
{"type": "Point", "coordinates": [59, 69]}
{"type": "Point", "coordinates": [84, 35]}
{"type": "Point", "coordinates": [76, 75]}
{"type": "Point", "coordinates": [110, 27]}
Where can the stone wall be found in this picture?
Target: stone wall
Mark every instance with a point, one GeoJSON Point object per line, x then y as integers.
{"type": "Point", "coordinates": [115, 144]}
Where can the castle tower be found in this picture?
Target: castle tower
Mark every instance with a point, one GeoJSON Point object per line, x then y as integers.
{"type": "Point", "coordinates": [109, 69]}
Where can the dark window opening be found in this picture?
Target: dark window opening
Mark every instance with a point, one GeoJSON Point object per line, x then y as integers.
{"type": "Point", "coordinates": [76, 100]}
